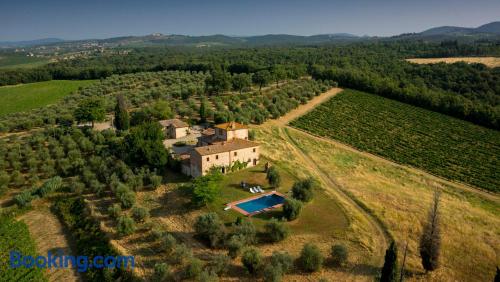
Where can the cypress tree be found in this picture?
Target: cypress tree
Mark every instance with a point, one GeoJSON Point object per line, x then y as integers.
{"type": "Point", "coordinates": [203, 111]}
{"type": "Point", "coordinates": [390, 268]}
{"type": "Point", "coordinates": [430, 242]}
{"type": "Point", "coordinates": [122, 119]}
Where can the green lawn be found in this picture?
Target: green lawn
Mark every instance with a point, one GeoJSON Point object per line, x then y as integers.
{"type": "Point", "coordinates": [321, 216]}
{"type": "Point", "coordinates": [18, 98]}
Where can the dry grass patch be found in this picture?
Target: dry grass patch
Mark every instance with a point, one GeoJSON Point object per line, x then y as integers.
{"type": "Point", "coordinates": [401, 197]}
{"type": "Point", "coordinates": [488, 61]}
{"type": "Point", "coordinates": [49, 235]}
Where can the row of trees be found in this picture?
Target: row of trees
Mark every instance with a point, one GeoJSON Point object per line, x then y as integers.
{"type": "Point", "coordinates": [471, 104]}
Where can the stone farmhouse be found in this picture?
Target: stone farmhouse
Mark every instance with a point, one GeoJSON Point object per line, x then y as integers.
{"type": "Point", "coordinates": [175, 128]}
{"type": "Point", "coordinates": [221, 147]}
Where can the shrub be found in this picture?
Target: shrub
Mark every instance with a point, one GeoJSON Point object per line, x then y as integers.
{"type": "Point", "coordinates": [339, 254]}
{"type": "Point", "coordinates": [193, 269]}
{"type": "Point", "coordinates": [272, 274]}
{"type": "Point", "coordinates": [77, 187]}
{"type": "Point", "coordinates": [24, 198]}
{"type": "Point", "coordinates": [136, 182]}
{"type": "Point", "coordinates": [126, 226]}
{"type": "Point", "coordinates": [126, 196]}
{"type": "Point", "coordinates": [276, 230]}
{"type": "Point", "coordinates": [181, 253]}
{"type": "Point", "coordinates": [17, 178]}
{"type": "Point", "coordinates": [252, 260]}
{"type": "Point", "coordinates": [155, 180]}
{"type": "Point", "coordinates": [273, 177]}
{"type": "Point", "coordinates": [291, 209]}
{"type": "Point", "coordinates": [210, 227]}
{"type": "Point", "coordinates": [219, 264]}
{"type": "Point", "coordinates": [115, 210]}
{"type": "Point", "coordinates": [4, 180]}
{"type": "Point", "coordinates": [234, 246]}
{"type": "Point", "coordinates": [158, 234]}
{"type": "Point", "coordinates": [282, 260]}
{"type": "Point", "coordinates": [207, 276]}
{"type": "Point", "coordinates": [161, 273]}
{"type": "Point", "coordinates": [50, 186]}
{"type": "Point", "coordinates": [140, 214]}
{"type": "Point", "coordinates": [167, 243]}
{"type": "Point", "coordinates": [251, 135]}
{"type": "Point", "coordinates": [303, 190]}
{"type": "Point", "coordinates": [246, 231]}
{"type": "Point", "coordinates": [310, 258]}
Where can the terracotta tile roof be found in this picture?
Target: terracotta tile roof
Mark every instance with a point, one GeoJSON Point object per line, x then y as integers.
{"type": "Point", "coordinates": [208, 131]}
{"type": "Point", "coordinates": [235, 144]}
{"type": "Point", "coordinates": [177, 123]}
{"type": "Point", "coordinates": [231, 126]}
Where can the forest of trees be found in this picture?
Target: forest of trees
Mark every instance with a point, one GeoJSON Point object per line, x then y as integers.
{"type": "Point", "coordinates": [469, 92]}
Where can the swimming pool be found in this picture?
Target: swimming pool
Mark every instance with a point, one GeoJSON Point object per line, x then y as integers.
{"type": "Point", "coordinates": [256, 205]}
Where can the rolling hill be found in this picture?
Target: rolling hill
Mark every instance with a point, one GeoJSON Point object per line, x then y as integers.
{"type": "Point", "coordinates": [490, 31]}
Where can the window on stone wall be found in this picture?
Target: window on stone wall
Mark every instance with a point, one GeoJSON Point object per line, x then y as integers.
{"type": "Point", "coordinates": [208, 159]}
{"type": "Point", "coordinates": [216, 157]}
{"type": "Point", "coordinates": [235, 154]}
{"type": "Point", "coordinates": [254, 150]}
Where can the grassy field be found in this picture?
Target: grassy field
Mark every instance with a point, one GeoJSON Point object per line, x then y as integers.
{"type": "Point", "coordinates": [21, 61]}
{"type": "Point", "coordinates": [16, 237]}
{"type": "Point", "coordinates": [24, 97]}
{"type": "Point", "coordinates": [488, 61]}
{"type": "Point", "coordinates": [400, 197]}
{"type": "Point", "coordinates": [445, 146]}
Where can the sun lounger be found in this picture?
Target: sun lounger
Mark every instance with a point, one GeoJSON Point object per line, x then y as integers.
{"type": "Point", "coordinates": [252, 190]}
{"type": "Point", "coordinates": [227, 208]}
{"type": "Point", "coordinates": [260, 189]}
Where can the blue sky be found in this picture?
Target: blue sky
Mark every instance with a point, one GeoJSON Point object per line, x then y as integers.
{"type": "Point", "coordinates": [69, 19]}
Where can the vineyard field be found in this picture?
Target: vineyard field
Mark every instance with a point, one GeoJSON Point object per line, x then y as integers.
{"type": "Point", "coordinates": [14, 236]}
{"type": "Point", "coordinates": [445, 146]}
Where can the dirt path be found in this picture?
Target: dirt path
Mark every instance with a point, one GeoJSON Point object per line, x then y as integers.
{"type": "Point", "coordinates": [303, 109]}
{"type": "Point", "coordinates": [48, 233]}
{"type": "Point", "coordinates": [380, 235]}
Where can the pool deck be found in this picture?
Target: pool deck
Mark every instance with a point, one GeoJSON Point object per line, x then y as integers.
{"type": "Point", "coordinates": [234, 206]}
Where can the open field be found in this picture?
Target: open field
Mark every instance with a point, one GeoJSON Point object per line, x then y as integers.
{"type": "Point", "coordinates": [492, 62]}
{"type": "Point", "coordinates": [21, 61]}
{"type": "Point", "coordinates": [24, 97]}
{"type": "Point", "coordinates": [401, 196]}
{"type": "Point", "coordinates": [445, 146]}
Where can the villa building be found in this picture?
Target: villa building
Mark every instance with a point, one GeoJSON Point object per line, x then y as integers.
{"type": "Point", "coordinates": [175, 128]}
{"type": "Point", "coordinates": [221, 147]}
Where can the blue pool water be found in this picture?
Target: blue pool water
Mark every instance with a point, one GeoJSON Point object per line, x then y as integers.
{"type": "Point", "coordinates": [261, 203]}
